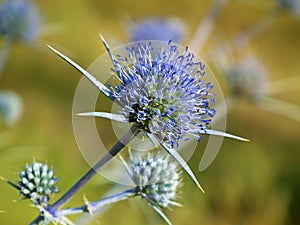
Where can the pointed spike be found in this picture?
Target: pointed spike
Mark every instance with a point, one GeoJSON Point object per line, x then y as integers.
{"type": "Point", "coordinates": [88, 205]}
{"type": "Point", "coordinates": [126, 166]}
{"type": "Point", "coordinates": [107, 49]}
{"type": "Point", "coordinates": [129, 171]}
{"type": "Point", "coordinates": [281, 107]}
{"type": "Point", "coordinates": [111, 116]}
{"type": "Point", "coordinates": [110, 54]}
{"type": "Point", "coordinates": [2, 178]}
{"type": "Point", "coordinates": [106, 46]}
{"type": "Point", "coordinates": [176, 204]}
{"type": "Point", "coordinates": [223, 134]}
{"type": "Point", "coordinates": [10, 183]}
{"type": "Point", "coordinates": [90, 77]}
{"type": "Point", "coordinates": [157, 209]}
{"type": "Point", "coordinates": [181, 161]}
{"type": "Point", "coordinates": [153, 140]}
{"type": "Point", "coordinates": [201, 189]}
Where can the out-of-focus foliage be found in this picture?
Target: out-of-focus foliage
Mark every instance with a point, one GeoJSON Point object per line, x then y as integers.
{"type": "Point", "coordinates": [248, 183]}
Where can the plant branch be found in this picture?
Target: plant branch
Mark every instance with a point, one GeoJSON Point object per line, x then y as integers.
{"type": "Point", "coordinates": [91, 173]}
{"type": "Point", "coordinates": [91, 207]}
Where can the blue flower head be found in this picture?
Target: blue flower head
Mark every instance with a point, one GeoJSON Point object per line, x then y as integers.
{"type": "Point", "coordinates": [19, 20]}
{"type": "Point", "coordinates": [248, 79]}
{"type": "Point", "coordinates": [291, 5]}
{"type": "Point", "coordinates": [162, 91]}
{"type": "Point", "coordinates": [37, 182]}
{"type": "Point", "coordinates": [157, 179]}
{"type": "Point", "coordinates": [159, 88]}
{"type": "Point", "coordinates": [10, 107]}
{"type": "Point", "coordinates": [157, 29]}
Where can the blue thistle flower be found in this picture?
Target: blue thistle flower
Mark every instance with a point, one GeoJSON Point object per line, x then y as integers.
{"type": "Point", "coordinates": [248, 78]}
{"type": "Point", "coordinates": [291, 5]}
{"type": "Point", "coordinates": [157, 179]}
{"type": "Point", "coordinates": [11, 107]}
{"type": "Point", "coordinates": [157, 29]}
{"type": "Point", "coordinates": [19, 20]}
{"type": "Point", "coordinates": [37, 182]}
{"type": "Point", "coordinates": [161, 91]}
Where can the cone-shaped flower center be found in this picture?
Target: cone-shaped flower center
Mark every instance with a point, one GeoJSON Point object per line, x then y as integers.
{"type": "Point", "coordinates": [37, 182]}
{"type": "Point", "coordinates": [158, 179]}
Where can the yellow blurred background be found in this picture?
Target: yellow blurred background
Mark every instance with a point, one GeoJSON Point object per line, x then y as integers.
{"type": "Point", "coordinates": [248, 183]}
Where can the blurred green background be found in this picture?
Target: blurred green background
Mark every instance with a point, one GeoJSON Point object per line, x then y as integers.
{"type": "Point", "coordinates": [248, 183]}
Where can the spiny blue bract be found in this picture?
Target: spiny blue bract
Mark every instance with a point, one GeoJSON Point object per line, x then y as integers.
{"type": "Point", "coordinates": [157, 29]}
{"type": "Point", "coordinates": [19, 20]}
{"type": "Point", "coordinates": [37, 182]}
{"type": "Point", "coordinates": [161, 89]}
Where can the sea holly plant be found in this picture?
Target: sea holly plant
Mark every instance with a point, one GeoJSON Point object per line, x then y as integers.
{"type": "Point", "coordinates": [156, 178]}
{"type": "Point", "coordinates": [162, 95]}
{"type": "Point", "coordinates": [37, 183]}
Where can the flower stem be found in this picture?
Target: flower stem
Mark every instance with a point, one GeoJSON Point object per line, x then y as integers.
{"type": "Point", "coordinates": [91, 173]}
{"type": "Point", "coordinates": [206, 26]}
{"type": "Point", "coordinates": [99, 165]}
{"type": "Point", "coordinates": [91, 207]}
{"type": "Point", "coordinates": [244, 38]}
{"type": "Point", "coordinates": [86, 219]}
{"type": "Point", "coordinates": [37, 220]}
{"type": "Point", "coordinates": [4, 53]}
{"type": "Point", "coordinates": [281, 107]}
